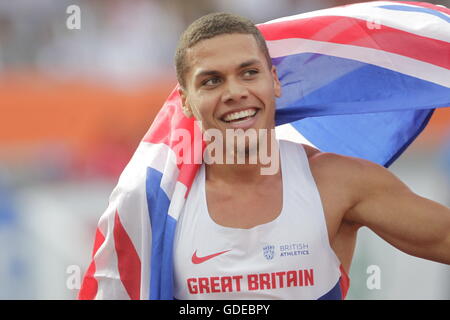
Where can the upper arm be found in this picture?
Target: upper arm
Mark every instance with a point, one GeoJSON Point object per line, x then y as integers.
{"type": "Point", "coordinates": [413, 224]}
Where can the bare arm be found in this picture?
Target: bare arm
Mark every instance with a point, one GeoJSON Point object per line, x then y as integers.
{"type": "Point", "coordinates": [413, 224]}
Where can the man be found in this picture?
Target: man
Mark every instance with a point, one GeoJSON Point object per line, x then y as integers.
{"type": "Point", "coordinates": [228, 82]}
{"type": "Point", "coordinates": [245, 232]}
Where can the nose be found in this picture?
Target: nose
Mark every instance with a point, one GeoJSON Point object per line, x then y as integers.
{"type": "Point", "coordinates": [234, 91]}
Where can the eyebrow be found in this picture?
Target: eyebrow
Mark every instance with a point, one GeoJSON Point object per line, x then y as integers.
{"type": "Point", "coordinates": [249, 63]}
{"type": "Point", "coordinates": [214, 72]}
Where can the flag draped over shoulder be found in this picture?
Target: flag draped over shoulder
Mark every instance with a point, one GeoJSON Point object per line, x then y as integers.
{"type": "Point", "coordinates": [359, 80]}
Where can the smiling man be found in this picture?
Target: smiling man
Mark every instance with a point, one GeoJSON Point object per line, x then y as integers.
{"type": "Point", "coordinates": [290, 234]}
{"type": "Point", "coordinates": [243, 232]}
{"type": "Point", "coordinates": [241, 62]}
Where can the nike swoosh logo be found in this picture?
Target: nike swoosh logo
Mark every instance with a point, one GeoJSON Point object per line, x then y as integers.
{"type": "Point", "coordinates": [197, 260]}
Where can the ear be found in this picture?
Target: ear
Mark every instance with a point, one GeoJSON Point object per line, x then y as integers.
{"type": "Point", "coordinates": [276, 82]}
{"type": "Point", "coordinates": [184, 103]}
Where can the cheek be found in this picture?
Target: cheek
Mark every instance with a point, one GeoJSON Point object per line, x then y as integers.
{"type": "Point", "coordinates": [203, 107]}
{"type": "Point", "coordinates": [266, 94]}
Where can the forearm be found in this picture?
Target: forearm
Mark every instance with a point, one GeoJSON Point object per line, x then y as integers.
{"type": "Point", "coordinates": [414, 225]}
{"type": "Point", "coordinates": [438, 251]}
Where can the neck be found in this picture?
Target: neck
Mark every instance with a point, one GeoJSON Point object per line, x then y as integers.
{"type": "Point", "coordinates": [250, 171]}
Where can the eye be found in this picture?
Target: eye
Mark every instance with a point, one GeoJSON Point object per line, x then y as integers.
{"type": "Point", "coordinates": [250, 73]}
{"type": "Point", "coordinates": [211, 82]}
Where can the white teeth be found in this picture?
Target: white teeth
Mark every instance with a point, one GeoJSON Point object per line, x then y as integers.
{"type": "Point", "coordinates": [239, 115]}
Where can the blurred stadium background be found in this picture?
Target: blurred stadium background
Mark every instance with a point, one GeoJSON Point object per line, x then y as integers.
{"type": "Point", "coordinates": [75, 103]}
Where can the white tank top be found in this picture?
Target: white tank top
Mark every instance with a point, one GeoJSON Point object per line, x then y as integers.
{"type": "Point", "coordinates": [287, 258]}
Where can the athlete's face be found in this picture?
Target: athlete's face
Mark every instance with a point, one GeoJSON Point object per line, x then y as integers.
{"type": "Point", "coordinates": [229, 84]}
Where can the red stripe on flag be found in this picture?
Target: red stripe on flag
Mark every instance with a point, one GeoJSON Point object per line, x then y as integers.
{"type": "Point", "coordinates": [89, 286]}
{"type": "Point", "coordinates": [187, 175]}
{"type": "Point", "coordinates": [344, 282]}
{"type": "Point", "coordinates": [167, 121]}
{"type": "Point", "coordinates": [357, 32]}
{"type": "Point", "coordinates": [129, 264]}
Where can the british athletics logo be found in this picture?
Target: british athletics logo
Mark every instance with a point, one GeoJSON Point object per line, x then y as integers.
{"type": "Point", "coordinates": [269, 252]}
{"type": "Point", "coordinates": [295, 249]}
{"type": "Point", "coordinates": [286, 250]}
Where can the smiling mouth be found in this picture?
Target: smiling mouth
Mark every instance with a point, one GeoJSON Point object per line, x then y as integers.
{"type": "Point", "coordinates": [238, 116]}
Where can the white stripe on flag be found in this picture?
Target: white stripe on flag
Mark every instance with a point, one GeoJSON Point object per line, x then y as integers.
{"type": "Point", "coordinates": [289, 133]}
{"type": "Point", "coordinates": [391, 61]}
{"type": "Point", "coordinates": [178, 200]}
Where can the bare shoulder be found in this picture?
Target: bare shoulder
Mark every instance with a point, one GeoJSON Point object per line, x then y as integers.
{"type": "Point", "coordinates": [355, 193]}
{"type": "Point", "coordinates": [333, 166]}
{"type": "Point", "coordinates": [346, 168]}
{"type": "Point", "coordinates": [353, 179]}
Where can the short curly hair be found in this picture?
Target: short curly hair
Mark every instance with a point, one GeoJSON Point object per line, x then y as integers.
{"type": "Point", "coordinates": [210, 26]}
